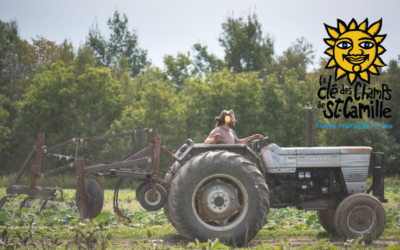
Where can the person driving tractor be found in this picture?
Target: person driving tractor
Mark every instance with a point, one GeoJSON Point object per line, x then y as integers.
{"type": "Point", "coordinates": [223, 133]}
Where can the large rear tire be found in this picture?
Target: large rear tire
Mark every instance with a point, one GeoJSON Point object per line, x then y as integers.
{"type": "Point", "coordinates": [326, 219]}
{"type": "Point", "coordinates": [169, 177]}
{"type": "Point", "coordinates": [219, 194]}
{"type": "Point", "coordinates": [360, 215]}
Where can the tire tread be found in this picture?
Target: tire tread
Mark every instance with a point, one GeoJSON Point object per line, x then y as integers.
{"type": "Point", "coordinates": [228, 158]}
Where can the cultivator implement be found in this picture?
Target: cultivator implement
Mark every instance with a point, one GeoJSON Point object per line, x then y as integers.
{"type": "Point", "coordinates": [90, 194]}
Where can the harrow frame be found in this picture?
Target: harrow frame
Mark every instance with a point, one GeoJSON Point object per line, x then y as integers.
{"type": "Point", "coordinates": [149, 173]}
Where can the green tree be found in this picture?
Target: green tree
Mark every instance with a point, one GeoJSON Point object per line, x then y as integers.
{"type": "Point", "coordinates": [389, 142]}
{"type": "Point", "coordinates": [204, 62]}
{"type": "Point", "coordinates": [298, 56]}
{"type": "Point", "coordinates": [49, 106]}
{"type": "Point", "coordinates": [160, 107]}
{"type": "Point", "coordinates": [247, 91]}
{"type": "Point", "coordinates": [177, 69]}
{"type": "Point", "coordinates": [199, 119]}
{"type": "Point", "coordinates": [128, 84]}
{"type": "Point", "coordinates": [17, 69]}
{"type": "Point", "coordinates": [154, 75]}
{"type": "Point", "coordinates": [45, 50]}
{"type": "Point", "coordinates": [16, 62]}
{"type": "Point", "coordinates": [246, 48]}
{"type": "Point", "coordinates": [97, 42]}
{"type": "Point", "coordinates": [223, 91]}
{"type": "Point", "coordinates": [391, 78]}
{"type": "Point", "coordinates": [64, 105]}
{"type": "Point", "coordinates": [102, 102]}
{"type": "Point", "coordinates": [292, 120]}
{"type": "Point", "coordinates": [121, 42]}
{"type": "Point", "coordinates": [65, 53]}
{"type": "Point", "coordinates": [4, 130]}
{"type": "Point", "coordinates": [84, 59]}
{"type": "Point", "coordinates": [284, 108]}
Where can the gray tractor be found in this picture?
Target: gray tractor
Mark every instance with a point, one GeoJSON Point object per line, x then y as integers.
{"type": "Point", "coordinates": [217, 191]}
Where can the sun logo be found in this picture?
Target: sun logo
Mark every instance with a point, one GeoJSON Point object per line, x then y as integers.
{"type": "Point", "coordinates": [355, 49]}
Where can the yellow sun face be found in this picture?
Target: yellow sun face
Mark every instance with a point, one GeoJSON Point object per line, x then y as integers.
{"type": "Point", "coordinates": [355, 49]}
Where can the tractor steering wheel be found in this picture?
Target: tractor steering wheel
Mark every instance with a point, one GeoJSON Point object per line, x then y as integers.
{"type": "Point", "coordinates": [259, 144]}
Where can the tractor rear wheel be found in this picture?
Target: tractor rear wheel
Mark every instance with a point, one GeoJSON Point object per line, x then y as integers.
{"type": "Point", "coordinates": [219, 194]}
{"type": "Point", "coordinates": [169, 178]}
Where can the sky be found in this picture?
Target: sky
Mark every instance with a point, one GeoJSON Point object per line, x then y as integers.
{"type": "Point", "coordinates": [168, 27]}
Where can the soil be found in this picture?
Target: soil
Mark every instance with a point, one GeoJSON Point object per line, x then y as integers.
{"type": "Point", "coordinates": [384, 242]}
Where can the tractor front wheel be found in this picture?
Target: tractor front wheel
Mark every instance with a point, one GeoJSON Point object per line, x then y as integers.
{"type": "Point", "coordinates": [326, 219]}
{"type": "Point", "coordinates": [360, 215]}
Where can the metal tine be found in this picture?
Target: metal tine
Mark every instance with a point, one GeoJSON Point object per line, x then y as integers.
{"type": "Point", "coordinates": [23, 203]}
{"type": "Point", "coordinates": [43, 205]}
{"type": "Point", "coordinates": [54, 198]}
{"type": "Point", "coordinates": [26, 199]}
{"type": "Point", "coordinates": [4, 199]}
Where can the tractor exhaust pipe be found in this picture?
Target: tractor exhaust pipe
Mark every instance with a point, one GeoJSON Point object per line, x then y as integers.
{"type": "Point", "coordinates": [309, 126]}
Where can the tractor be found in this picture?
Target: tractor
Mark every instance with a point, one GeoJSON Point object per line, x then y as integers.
{"type": "Point", "coordinates": [219, 191]}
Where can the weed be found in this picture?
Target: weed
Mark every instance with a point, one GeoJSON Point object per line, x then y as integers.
{"type": "Point", "coordinates": [61, 221]}
{"type": "Point", "coordinates": [209, 245]}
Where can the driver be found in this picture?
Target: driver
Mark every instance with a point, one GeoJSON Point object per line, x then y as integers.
{"type": "Point", "coordinates": [223, 133]}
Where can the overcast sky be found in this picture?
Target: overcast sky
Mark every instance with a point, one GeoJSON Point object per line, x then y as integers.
{"type": "Point", "coordinates": [167, 27]}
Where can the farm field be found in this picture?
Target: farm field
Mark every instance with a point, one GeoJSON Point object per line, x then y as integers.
{"type": "Point", "coordinates": [285, 228]}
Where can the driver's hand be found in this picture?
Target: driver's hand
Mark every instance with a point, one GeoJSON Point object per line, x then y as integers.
{"type": "Point", "coordinates": [217, 137]}
{"type": "Point", "coordinates": [256, 136]}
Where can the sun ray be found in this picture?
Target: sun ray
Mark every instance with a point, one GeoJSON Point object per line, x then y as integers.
{"type": "Point", "coordinates": [375, 28]}
{"type": "Point", "coordinates": [363, 26]}
{"type": "Point", "coordinates": [331, 63]}
{"type": "Point", "coordinates": [333, 33]}
{"type": "Point", "coordinates": [342, 26]}
{"type": "Point", "coordinates": [381, 50]}
{"type": "Point", "coordinates": [353, 25]}
{"type": "Point", "coordinates": [378, 62]}
{"type": "Point", "coordinates": [340, 73]}
{"type": "Point", "coordinates": [365, 76]}
{"type": "Point", "coordinates": [352, 77]}
{"type": "Point", "coordinates": [373, 70]}
{"type": "Point", "coordinates": [329, 51]}
{"type": "Point", "coordinates": [330, 42]}
{"type": "Point", "coordinates": [379, 39]}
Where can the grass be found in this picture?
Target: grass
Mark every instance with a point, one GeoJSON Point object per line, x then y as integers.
{"type": "Point", "coordinates": [153, 230]}
{"type": "Point", "coordinates": [61, 220]}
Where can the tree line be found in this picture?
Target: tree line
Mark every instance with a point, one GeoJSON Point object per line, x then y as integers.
{"type": "Point", "coordinates": [109, 85]}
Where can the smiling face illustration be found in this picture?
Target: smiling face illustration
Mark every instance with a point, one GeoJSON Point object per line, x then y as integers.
{"type": "Point", "coordinates": [354, 49]}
